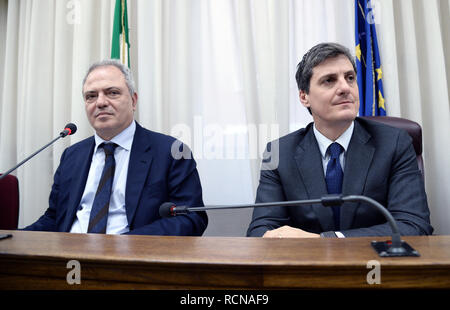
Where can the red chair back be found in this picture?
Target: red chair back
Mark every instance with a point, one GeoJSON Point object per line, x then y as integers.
{"type": "Point", "coordinates": [9, 202]}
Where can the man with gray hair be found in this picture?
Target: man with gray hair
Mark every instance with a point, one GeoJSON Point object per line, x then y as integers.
{"type": "Point", "coordinates": [115, 181]}
{"type": "Point", "coordinates": [339, 153]}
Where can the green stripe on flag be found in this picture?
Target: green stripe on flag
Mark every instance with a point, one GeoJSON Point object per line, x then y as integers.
{"type": "Point", "coordinates": [120, 45]}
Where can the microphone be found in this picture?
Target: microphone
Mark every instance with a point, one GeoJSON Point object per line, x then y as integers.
{"type": "Point", "coordinates": [169, 209]}
{"type": "Point", "coordinates": [395, 247]}
{"type": "Point", "coordinates": [69, 129]}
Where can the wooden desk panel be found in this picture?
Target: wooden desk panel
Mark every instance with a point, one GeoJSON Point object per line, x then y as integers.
{"type": "Point", "coordinates": [37, 260]}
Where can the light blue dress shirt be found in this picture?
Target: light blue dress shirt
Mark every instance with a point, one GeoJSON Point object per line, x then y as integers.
{"type": "Point", "coordinates": [117, 217]}
{"type": "Point", "coordinates": [324, 143]}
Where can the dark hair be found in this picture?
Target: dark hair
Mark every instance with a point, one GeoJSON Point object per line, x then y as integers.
{"type": "Point", "coordinates": [315, 56]}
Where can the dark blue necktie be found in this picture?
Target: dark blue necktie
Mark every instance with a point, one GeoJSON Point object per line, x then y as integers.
{"type": "Point", "coordinates": [334, 178]}
{"type": "Point", "coordinates": [99, 212]}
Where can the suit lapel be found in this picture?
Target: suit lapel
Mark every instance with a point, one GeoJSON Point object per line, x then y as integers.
{"type": "Point", "coordinates": [138, 168]}
{"type": "Point", "coordinates": [309, 164]}
{"type": "Point", "coordinates": [357, 162]}
{"type": "Point", "coordinates": [81, 166]}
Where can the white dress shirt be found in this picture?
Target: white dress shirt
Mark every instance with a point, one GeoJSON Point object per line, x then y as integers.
{"type": "Point", "coordinates": [117, 217]}
{"type": "Point", "coordinates": [324, 143]}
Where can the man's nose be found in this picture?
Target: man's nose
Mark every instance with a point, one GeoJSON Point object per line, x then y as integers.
{"type": "Point", "coordinates": [102, 100]}
{"type": "Point", "coordinates": [343, 86]}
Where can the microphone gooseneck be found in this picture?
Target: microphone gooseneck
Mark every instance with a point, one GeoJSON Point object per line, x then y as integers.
{"type": "Point", "coordinates": [70, 129]}
{"type": "Point", "coordinates": [395, 248]}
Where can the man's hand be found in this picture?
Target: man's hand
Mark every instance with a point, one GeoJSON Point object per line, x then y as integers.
{"type": "Point", "coordinates": [289, 232]}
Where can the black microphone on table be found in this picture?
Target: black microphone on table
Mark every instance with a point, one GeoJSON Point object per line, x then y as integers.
{"type": "Point", "coordinates": [69, 129]}
{"type": "Point", "coordinates": [391, 248]}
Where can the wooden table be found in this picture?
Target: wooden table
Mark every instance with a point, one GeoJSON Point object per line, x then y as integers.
{"type": "Point", "coordinates": [38, 260]}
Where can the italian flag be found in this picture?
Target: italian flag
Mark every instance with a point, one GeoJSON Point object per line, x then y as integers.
{"type": "Point", "coordinates": [120, 45]}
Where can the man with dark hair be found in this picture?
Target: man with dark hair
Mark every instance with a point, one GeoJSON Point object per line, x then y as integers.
{"type": "Point", "coordinates": [315, 56]}
{"type": "Point", "coordinates": [339, 154]}
{"type": "Point", "coordinates": [115, 181]}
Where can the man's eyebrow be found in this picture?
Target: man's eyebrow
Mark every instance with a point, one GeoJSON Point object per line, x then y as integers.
{"type": "Point", "coordinates": [333, 74]}
{"type": "Point", "coordinates": [90, 92]}
{"type": "Point", "coordinates": [105, 89]}
{"type": "Point", "coordinates": [112, 88]}
{"type": "Point", "coordinates": [327, 75]}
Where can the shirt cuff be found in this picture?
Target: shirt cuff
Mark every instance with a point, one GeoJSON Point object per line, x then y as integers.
{"type": "Point", "coordinates": [339, 234]}
{"type": "Point", "coordinates": [332, 234]}
{"type": "Point", "coordinates": [328, 234]}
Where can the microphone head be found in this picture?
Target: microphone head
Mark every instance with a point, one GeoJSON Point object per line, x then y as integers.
{"type": "Point", "coordinates": [72, 127]}
{"type": "Point", "coordinates": [165, 210]}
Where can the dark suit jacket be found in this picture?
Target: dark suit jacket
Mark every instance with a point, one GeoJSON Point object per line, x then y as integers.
{"type": "Point", "coordinates": [154, 177]}
{"type": "Point", "coordinates": [380, 163]}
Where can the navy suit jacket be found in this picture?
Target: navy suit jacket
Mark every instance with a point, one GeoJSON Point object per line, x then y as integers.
{"type": "Point", "coordinates": [154, 177]}
{"type": "Point", "coordinates": [380, 163]}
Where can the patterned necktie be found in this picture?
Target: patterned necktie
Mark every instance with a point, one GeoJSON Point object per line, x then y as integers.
{"type": "Point", "coordinates": [99, 212]}
{"type": "Point", "coordinates": [334, 178]}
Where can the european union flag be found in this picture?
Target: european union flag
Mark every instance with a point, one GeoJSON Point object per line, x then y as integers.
{"type": "Point", "coordinates": [370, 83]}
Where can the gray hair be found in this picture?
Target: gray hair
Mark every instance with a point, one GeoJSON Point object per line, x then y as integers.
{"type": "Point", "coordinates": [315, 56]}
{"type": "Point", "coordinates": [115, 63]}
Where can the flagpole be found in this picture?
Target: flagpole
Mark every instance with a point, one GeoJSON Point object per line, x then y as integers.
{"type": "Point", "coordinates": [122, 42]}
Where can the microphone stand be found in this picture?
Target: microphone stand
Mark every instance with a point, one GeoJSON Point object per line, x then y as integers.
{"type": "Point", "coordinates": [394, 248]}
{"type": "Point", "coordinates": [61, 135]}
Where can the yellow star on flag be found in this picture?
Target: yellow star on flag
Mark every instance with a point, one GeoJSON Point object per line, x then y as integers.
{"type": "Point", "coordinates": [358, 52]}
{"type": "Point", "coordinates": [381, 101]}
{"type": "Point", "coordinates": [379, 73]}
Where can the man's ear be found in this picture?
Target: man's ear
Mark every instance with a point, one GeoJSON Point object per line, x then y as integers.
{"type": "Point", "coordinates": [304, 98]}
{"type": "Point", "coordinates": [134, 98]}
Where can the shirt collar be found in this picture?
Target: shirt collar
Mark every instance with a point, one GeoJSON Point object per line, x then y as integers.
{"type": "Point", "coordinates": [324, 142]}
{"type": "Point", "coordinates": [123, 139]}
